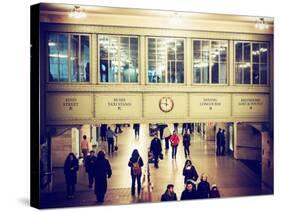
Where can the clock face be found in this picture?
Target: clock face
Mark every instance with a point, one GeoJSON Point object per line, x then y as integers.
{"type": "Point", "coordinates": [166, 104]}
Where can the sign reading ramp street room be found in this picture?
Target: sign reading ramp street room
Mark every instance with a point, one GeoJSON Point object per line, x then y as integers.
{"type": "Point", "coordinates": [250, 105]}
{"type": "Point", "coordinates": [210, 105]}
{"type": "Point", "coordinates": [69, 106]}
{"type": "Point", "coordinates": [118, 106]}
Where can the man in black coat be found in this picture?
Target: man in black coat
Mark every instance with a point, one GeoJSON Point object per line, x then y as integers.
{"type": "Point", "coordinates": [222, 147]}
{"type": "Point", "coordinates": [169, 194]}
{"type": "Point", "coordinates": [156, 149]}
{"type": "Point", "coordinates": [89, 165]}
{"type": "Point", "coordinates": [218, 144]}
{"type": "Point", "coordinates": [136, 127]}
{"type": "Point", "coordinates": [102, 171]}
{"type": "Point", "coordinates": [189, 192]}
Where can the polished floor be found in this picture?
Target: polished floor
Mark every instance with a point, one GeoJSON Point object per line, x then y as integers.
{"type": "Point", "coordinates": [232, 177]}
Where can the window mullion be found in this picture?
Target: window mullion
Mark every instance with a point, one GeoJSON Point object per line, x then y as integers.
{"type": "Point", "coordinates": [251, 64]}
{"type": "Point", "coordinates": [209, 60]}
{"type": "Point", "coordinates": [129, 58]}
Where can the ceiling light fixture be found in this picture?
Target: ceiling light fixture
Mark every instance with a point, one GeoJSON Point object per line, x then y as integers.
{"type": "Point", "coordinates": [77, 12]}
{"type": "Point", "coordinates": [261, 24]}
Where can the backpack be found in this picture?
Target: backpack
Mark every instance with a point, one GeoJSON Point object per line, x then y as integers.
{"type": "Point", "coordinates": [136, 168]}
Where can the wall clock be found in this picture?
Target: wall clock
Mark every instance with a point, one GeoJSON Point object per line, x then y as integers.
{"type": "Point", "coordinates": [166, 104]}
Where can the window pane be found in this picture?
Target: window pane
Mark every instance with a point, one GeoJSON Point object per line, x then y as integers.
{"type": "Point", "coordinates": [114, 59]}
{"type": "Point", "coordinates": [104, 47]}
{"type": "Point", "coordinates": [223, 51]}
{"type": "Point", "coordinates": [238, 73]}
{"type": "Point", "coordinates": [215, 73]}
{"type": "Point", "coordinates": [196, 46]}
{"type": "Point", "coordinates": [180, 72]}
{"type": "Point", "coordinates": [74, 60]}
{"type": "Point", "coordinates": [85, 59]}
{"type": "Point", "coordinates": [180, 49]}
{"type": "Point", "coordinates": [205, 73]}
{"type": "Point", "coordinates": [223, 73]}
{"type": "Point", "coordinates": [256, 53]}
{"type": "Point", "coordinates": [247, 52]}
{"type": "Point", "coordinates": [215, 51]}
{"type": "Point", "coordinates": [152, 49]}
{"type": "Point", "coordinates": [263, 73]}
{"type": "Point", "coordinates": [256, 74]}
{"type": "Point", "coordinates": [104, 70]}
{"type": "Point", "coordinates": [53, 58]}
{"type": "Point", "coordinates": [196, 73]}
{"type": "Point", "coordinates": [63, 57]}
{"type": "Point", "coordinates": [171, 50]}
{"type": "Point", "coordinates": [171, 72]}
{"type": "Point", "coordinates": [152, 71]}
{"type": "Point", "coordinates": [238, 52]}
{"type": "Point", "coordinates": [246, 75]}
{"type": "Point", "coordinates": [263, 53]}
{"type": "Point", "coordinates": [134, 72]}
{"type": "Point", "coordinates": [124, 57]}
{"type": "Point", "coordinates": [161, 71]}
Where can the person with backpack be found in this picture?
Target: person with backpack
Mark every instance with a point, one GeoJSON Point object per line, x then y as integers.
{"type": "Point", "coordinates": [189, 172]}
{"type": "Point", "coordinates": [136, 163]}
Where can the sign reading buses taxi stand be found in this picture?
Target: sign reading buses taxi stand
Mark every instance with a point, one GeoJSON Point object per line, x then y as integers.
{"type": "Point", "coordinates": [69, 106]}
{"type": "Point", "coordinates": [248, 105]}
{"type": "Point", "coordinates": [210, 105]}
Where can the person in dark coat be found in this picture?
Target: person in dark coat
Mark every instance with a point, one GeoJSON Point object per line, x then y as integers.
{"type": "Point", "coordinates": [214, 193]}
{"type": "Point", "coordinates": [110, 140]}
{"type": "Point", "coordinates": [102, 171]}
{"type": "Point", "coordinates": [176, 126]}
{"type": "Point", "coordinates": [161, 128]}
{"type": "Point", "coordinates": [136, 127]}
{"type": "Point", "coordinates": [186, 142]}
{"type": "Point", "coordinates": [203, 188]}
{"type": "Point", "coordinates": [89, 165]}
{"type": "Point", "coordinates": [156, 149]}
{"type": "Point", "coordinates": [169, 194]}
{"type": "Point", "coordinates": [218, 144]}
{"type": "Point", "coordinates": [189, 192]}
{"type": "Point", "coordinates": [71, 166]}
{"type": "Point", "coordinates": [103, 130]}
{"type": "Point", "coordinates": [184, 128]}
{"type": "Point", "coordinates": [222, 147]}
{"type": "Point", "coordinates": [136, 163]}
{"type": "Point", "coordinates": [189, 172]}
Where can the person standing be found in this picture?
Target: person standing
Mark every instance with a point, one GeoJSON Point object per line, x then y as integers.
{"type": "Point", "coordinates": [175, 140]}
{"type": "Point", "coordinates": [167, 135]}
{"type": "Point", "coordinates": [169, 194]}
{"type": "Point", "coordinates": [110, 140]}
{"type": "Point", "coordinates": [102, 171]}
{"type": "Point", "coordinates": [136, 163]}
{"type": "Point", "coordinates": [203, 188]}
{"type": "Point", "coordinates": [71, 166]}
{"type": "Point", "coordinates": [161, 128]}
{"type": "Point", "coordinates": [84, 147]}
{"type": "Point", "coordinates": [156, 149]}
{"type": "Point", "coordinates": [89, 164]}
{"type": "Point", "coordinates": [136, 127]}
{"type": "Point", "coordinates": [189, 192]}
{"type": "Point", "coordinates": [189, 172]}
{"type": "Point", "coordinates": [222, 148]}
{"type": "Point", "coordinates": [186, 142]}
{"type": "Point", "coordinates": [176, 126]}
{"type": "Point", "coordinates": [103, 129]}
{"type": "Point", "coordinates": [218, 144]}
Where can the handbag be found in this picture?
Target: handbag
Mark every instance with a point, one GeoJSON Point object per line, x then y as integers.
{"type": "Point", "coordinates": [116, 146]}
{"type": "Point", "coordinates": [161, 156]}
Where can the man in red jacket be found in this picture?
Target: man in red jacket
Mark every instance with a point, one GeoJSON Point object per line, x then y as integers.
{"type": "Point", "coordinates": [175, 140]}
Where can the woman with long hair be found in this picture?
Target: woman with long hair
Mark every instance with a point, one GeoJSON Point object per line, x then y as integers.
{"type": "Point", "coordinates": [71, 166]}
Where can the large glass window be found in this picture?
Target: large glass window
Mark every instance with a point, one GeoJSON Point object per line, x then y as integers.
{"type": "Point", "coordinates": [68, 57]}
{"type": "Point", "coordinates": [210, 61]}
{"type": "Point", "coordinates": [251, 62]}
{"type": "Point", "coordinates": [118, 56]}
{"type": "Point", "coordinates": [165, 60]}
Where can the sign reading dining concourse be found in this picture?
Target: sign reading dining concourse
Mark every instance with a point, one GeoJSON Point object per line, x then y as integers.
{"type": "Point", "coordinates": [210, 105]}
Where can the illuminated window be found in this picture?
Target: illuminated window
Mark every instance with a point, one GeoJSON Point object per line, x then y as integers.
{"type": "Point", "coordinates": [165, 60]}
{"type": "Point", "coordinates": [210, 61]}
{"type": "Point", "coordinates": [118, 57]}
{"type": "Point", "coordinates": [251, 62]}
{"type": "Point", "coordinates": [68, 57]}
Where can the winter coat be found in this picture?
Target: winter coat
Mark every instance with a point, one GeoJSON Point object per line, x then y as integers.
{"type": "Point", "coordinates": [155, 146]}
{"type": "Point", "coordinates": [167, 196]}
{"type": "Point", "coordinates": [70, 171]}
{"type": "Point", "coordinates": [134, 160]}
{"type": "Point", "coordinates": [90, 164]}
{"type": "Point", "coordinates": [175, 140]}
{"type": "Point", "coordinates": [103, 130]}
{"type": "Point", "coordinates": [219, 138]}
{"type": "Point", "coordinates": [186, 140]}
{"type": "Point", "coordinates": [203, 189]}
{"type": "Point", "coordinates": [102, 170]}
{"type": "Point", "coordinates": [190, 174]}
{"type": "Point", "coordinates": [136, 126]}
{"type": "Point", "coordinates": [186, 195]}
{"type": "Point", "coordinates": [214, 194]}
{"type": "Point", "coordinates": [222, 137]}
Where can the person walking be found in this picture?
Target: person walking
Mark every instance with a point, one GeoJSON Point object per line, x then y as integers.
{"type": "Point", "coordinates": [186, 142]}
{"type": "Point", "coordinates": [71, 166]}
{"type": "Point", "coordinates": [189, 192]}
{"type": "Point", "coordinates": [214, 193]}
{"type": "Point", "coordinates": [169, 194]}
{"type": "Point", "coordinates": [110, 140]}
{"type": "Point", "coordinates": [84, 147]}
{"type": "Point", "coordinates": [189, 172]}
{"type": "Point", "coordinates": [136, 163]}
{"type": "Point", "coordinates": [89, 164]}
{"type": "Point", "coordinates": [161, 128]}
{"type": "Point", "coordinates": [102, 171]}
{"type": "Point", "coordinates": [136, 127]}
{"type": "Point", "coordinates": [176, 126]}
{"type": "Point", "coordinates": [167, 135]}
{"type": "Point", "coordinates": [218, 144]}
{"type": "Point", "coordinates": [175, 140]}
{"type": "Point", "coordinates": [222, 147]}
{"type": "Point", "coordinates": [103, 129]}
{"type": "Point", "coordinates": [203, 188]}
{"type": "Point", "coordinates": [184, 128]}
{"type": "Point", "coordinates": [156, 149]}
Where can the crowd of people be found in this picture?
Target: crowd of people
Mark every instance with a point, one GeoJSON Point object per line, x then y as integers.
{"type": "Point", "coordinates": [99, 169]}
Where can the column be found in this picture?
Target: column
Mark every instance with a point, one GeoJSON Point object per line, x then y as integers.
{"type": "Point", "coordinates": [188, 62]}
{"type": "Point", "coordinates": [94, 60]}
{"type": "Point", "coordinates": [231, 72]}
{"type": "Point", "coordinates": [142, 61]}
